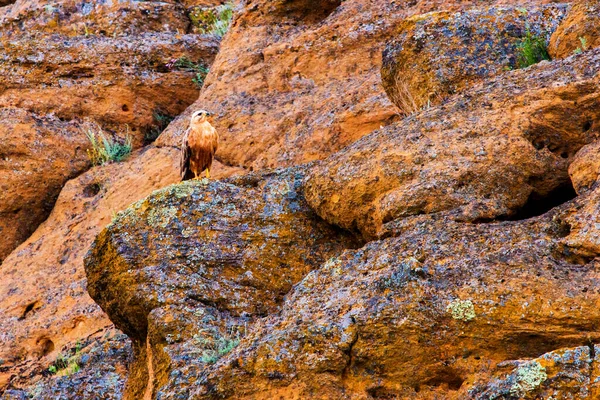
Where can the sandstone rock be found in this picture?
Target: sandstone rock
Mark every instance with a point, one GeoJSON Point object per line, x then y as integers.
{"type": "Point", "coordinates": [186, 270]}
{"type": "Point", "coordinates": [122, 83]}
{"type": "Point", "coordinates": [438, 54]}
{"type": "Point", "coordinates": [106, 18]}
{"type": "Point", "coordinates": [44, 305]}
{"type": "Point", "coordinates": [585, 168]}
{"type": "Point", "coordinates": [292, 87]}
{"type": "Point", "coordinates": [95, 369]}
{"type": "Point", "coordinates": [425, 314]}
{"type": "Point", "coordinates": [562, 374]}
{"type": "Point", "coordinates": [37, 156]}
{"type": "Point", "coordinates": [579, 32]}
{"type": "Point", "coordinates": [500, 151]}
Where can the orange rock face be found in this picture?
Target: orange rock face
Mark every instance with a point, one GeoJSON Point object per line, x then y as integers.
{"type": "Point", "coordinates": [579, 32]}
{"type": "Point", "coordinates": [33, 169]}
{"type": "Point", "coordinates": [418, 71]}
{"type": "Point", "coordinates": [48, 308]}
{"type": "Point", "coordinates": [197, 262]}
{"type": "Point", "coordinates": [488, 154]}
{"type": "Point", "coordinates": [476, 275]}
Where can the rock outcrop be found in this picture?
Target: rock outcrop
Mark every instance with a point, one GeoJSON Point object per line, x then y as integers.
{"type": "Point", "coordinates": [296, 81]}
{"type": "Point", "coordinates": [500, 151]}
{"type": "Point", "coordinates": [186, 270]}
{"type": "Point", "coordinates": [443, 53]}
{"type": "Point", "coordinates": [37, 156]}
{"type": "Point", "coordinates": [579, 32]}
{"type": "Point", "coordinates": [125, 81]}
{"type": "Point", "coordinates": [452, 254]}
{"type": "Point", "coordinates": [44, 305]}
{"type": "Point", "coordinates": [424, 314]}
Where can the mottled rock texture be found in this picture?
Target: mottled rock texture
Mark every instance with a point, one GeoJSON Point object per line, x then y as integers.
{"type": "Point", "coordinates": [96, 368]}
{"type": "Point", "coordinates": [487, 154]}
{"type": "Point", "coordinates": [296, 81]}
{"type": "Point", "coordinates": [198, 261]}
{"type": "Point", "coordinates": [424, 314]}
{"type": "Point", "coordinates": [579, 32]}
{"type": "Point", "coordinates": [565, 374]}
{"type": "Point", "coordinates": [44, 305]}
{"type": "Point", "coordinates": [121, 82]}
{"type": "Point", "coordinates": [37, 156]}
{"type": "Point", "coordinates": [438, 54]}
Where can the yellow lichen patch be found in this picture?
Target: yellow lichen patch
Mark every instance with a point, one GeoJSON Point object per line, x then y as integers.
{"type": "Point", "coordinates": [161, 217]}
{"type": "Point", "coordinates": [462, 310]}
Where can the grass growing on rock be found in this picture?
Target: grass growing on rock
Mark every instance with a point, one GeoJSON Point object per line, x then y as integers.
{"type": "Point", "coordinates": [67, 365]}
{"type": "Point", "coordinates": [187, 65]}
{"type": "Point", "coordinates": [216, 345]}
{"type": "Point", "coordinates": [106, 149]}
{"type": "Point", "coordinates": [213, 21]}
{"type": "Point", "coordinates": [531, 50]}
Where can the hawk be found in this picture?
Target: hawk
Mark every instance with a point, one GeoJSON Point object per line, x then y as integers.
{"type": "Point", "coordinates": [198, 147]}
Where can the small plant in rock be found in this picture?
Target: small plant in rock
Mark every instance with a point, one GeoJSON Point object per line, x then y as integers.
{"type": "Point", "coordinates": [106, 149]}
{"type": "Point", "coordinates": [185, 64]}
{"type": "Point", "coordinates": [212, 21]}
{"type": "Point", "coordinates": [584, 46]}
{"type": "Point", "coordinates": [67, 365]}
{"type": "Point", "coordinates": [161, 121]}
{"type": "Point", "coordinates": [531, 50]}
{"type": "Point", "coordinates": [216, 345]}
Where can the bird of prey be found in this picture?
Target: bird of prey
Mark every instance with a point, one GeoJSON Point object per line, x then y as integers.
{"type": "Point", "coordinates": [198, 147]}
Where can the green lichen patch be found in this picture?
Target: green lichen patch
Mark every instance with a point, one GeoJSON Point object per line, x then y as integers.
{"type": "Point", "coordinates": [462, 310]}
{"type": "Point", "coordinates": [161, 217]}
{"type": "Point", "coordinates": [528, 377]}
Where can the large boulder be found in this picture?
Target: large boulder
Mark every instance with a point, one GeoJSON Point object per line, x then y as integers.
{"type": "Point", "coordinates": [429, 313]}
{"type": "Point", "coordinates": [500, 151]}
{"type": "Point", "coordinates": [438, 54]}
{"type": "Point", "coordinates": [44, 305]}
{"type": "Point", "coordinates": [186, 270]}
{"type": "Point", "coordinates": [579, 32]}
{"type": "Point", "coordinates": [37, 156]}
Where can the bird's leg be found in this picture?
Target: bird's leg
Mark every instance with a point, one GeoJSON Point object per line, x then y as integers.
{"type": "Point", "coordinates": [195, 176]}
{"type": "Point", "coordinates": [208, 173]}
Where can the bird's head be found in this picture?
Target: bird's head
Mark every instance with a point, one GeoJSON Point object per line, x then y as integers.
{"type": "Point", "coordinates": [200, 116]}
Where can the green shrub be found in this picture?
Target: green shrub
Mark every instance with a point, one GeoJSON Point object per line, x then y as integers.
{"type": "Point", "coordinates": [106, 149]}
{"type": "Point", "coordinates": [531, 50]}
{"type": "Point", "coordinates": [161, 121]}
{"type": "Point", "coordinates": [584, 46]}
{"type": "Point", "coordinates": [66, 366]}
{"type": "Point", "coordinates": [212, 21]}
{"type": "Point", "coordinates": [217, 346]}
{"type": "Point", "coordinates": [185, 64]}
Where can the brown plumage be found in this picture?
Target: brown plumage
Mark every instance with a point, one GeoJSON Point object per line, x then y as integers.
{"type": "Point", "coordinates": [198, 147]}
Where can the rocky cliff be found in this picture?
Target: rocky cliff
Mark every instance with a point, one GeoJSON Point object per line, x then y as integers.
{"type": "Point", "coordinates": [406, 203]}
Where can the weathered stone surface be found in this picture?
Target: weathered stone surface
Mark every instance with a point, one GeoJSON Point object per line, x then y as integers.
{"type": "Point", "coordinates": [566, 374]}
{"type": "Point", "coordinates": [424, 314]}
{"type": "Point", "coordinates": [37, 156]}
{"type": "Point", "coordinates": [585, 168]}
{"type": "Point", "coordinates": [442, 53]}
{"type": "Point", "coordinates": [108, 18]}
{"type": "Point", "coordinates": [289, 88]}
{"type": "Point", "coordinates": [200, 260]}
{"type": "Point", "coordinates": [44, 305]}
{"type": "Point", "coordinates": [488, 154]}
{"type": "Point", "coordinates": [101, 371]}
{"type": "Point", "coordinates": [122, 83]}
{"type": "Point", "coordinates": [579, 32]}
